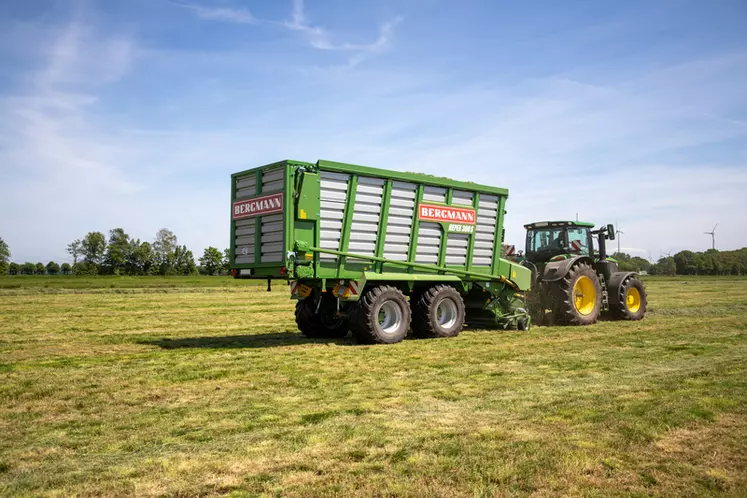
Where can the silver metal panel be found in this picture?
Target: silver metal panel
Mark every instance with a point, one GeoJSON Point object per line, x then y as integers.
{"type": "Point", "coordinates": [429, 242]}
{"type": "Point", "coordinates": [332, 214]}
{"type": "Point", "coordinates": [249, 180]}
{"type": "Point", "coordinates": [482, 254]}
{"type": "Point", "coordinates": [399, 221]}
{"type": "Point", "coordinates": [245, 222]}
{"type": "Point", "coordinates": [273, 186]}
{"type": "Point", "coordinates": [244, 231]}
{"type": "Point", "coordinates": [488, 201]}
{"type": "Point", "coordinates": [272, 175]}
{"type": "Point", "coordinates": [434, 194]}
{"type": "Point", "coordinates": [271, 233]}
{"type": "Point", "coordinates": [242, 241]}
{"type": "Point", "coordinates": [272, 237]}
{"type": "Point", "coordinates": [334, 187]}
{"type": "Point", "coordinates": [246, 193]}
{"type": "Point", "coordinates": [245, 260]}
{"type": "Point", "coordinates": [362, 218]}
{"type": "Point", "coordinates": [456, 249]}
{"type": "Point", "coordinates": [270, 218]}
{"type": "Point", "coordinates": [462, 198]}
{"type": "Point", "coordinates": [366, 212]}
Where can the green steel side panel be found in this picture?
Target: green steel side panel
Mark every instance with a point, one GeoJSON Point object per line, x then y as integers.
{"type": "Point", "coordinates": [371, 276]}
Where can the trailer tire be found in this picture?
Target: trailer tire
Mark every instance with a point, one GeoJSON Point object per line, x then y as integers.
{"type": "Point", "coordinates": [578, 296]}
{"type": "Point", "coordinates": [322, 325]}
{"type": "Point", "coordinates": [630, 301]}
{"type": "Point", "coordinates": [438, 312]}
{"type": "Point", "coordinates": [382, 316]}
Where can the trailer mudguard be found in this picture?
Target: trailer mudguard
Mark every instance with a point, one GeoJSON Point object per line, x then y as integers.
{"type": "Point", "coordinates": [555, 270]}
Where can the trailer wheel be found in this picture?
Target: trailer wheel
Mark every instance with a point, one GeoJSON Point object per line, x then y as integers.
{"type": "Point", "coordinates": [438, 312]}
{"type": "Point", "coordinates": [322, 325]}
{"type": "Point", "coordinates": [382, 316]}
{"type": "Point", "coordinates": [578, 296]}
{"type": "Point", "coordinates": [630, 302]}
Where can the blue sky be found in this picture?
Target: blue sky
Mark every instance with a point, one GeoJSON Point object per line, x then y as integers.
{"type": "Point", "coordinates": [134, 113]}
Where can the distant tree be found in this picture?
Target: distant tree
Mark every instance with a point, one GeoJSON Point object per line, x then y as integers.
{"type": "Point", "coordinates": [66, 269]}
{"type": "Point", "coordinates": [14, 269]}
{"type": "Point", "coordinates": [141, 259]}
{"type": "Point", "coordinates": [40, 269]}
{"type": "Point", "coordinates": [94, 248]}
{"type": "Point", "coordinates": [183, 262]}
{"type": "Point", "coordinates": [117, 252]}
{"type": "Point", "coordinates": [53, 268]}
{"type": "Point", "coordinates": [226, 266]}
{"type": "Point", "coordinates": [164, 248]}
{"type": "Point", "coordinates": [211, 260]}
{"type": "Point", "coordinates": [75, 249]}
{"type": "Point", "coordinates": [85, 268]}
{"type": "Point", "coordinates": [28, 268]}
{"type": "Point", "coordinates": [4, 256]}
{"type": "Point", "coordinates": [665, 266]}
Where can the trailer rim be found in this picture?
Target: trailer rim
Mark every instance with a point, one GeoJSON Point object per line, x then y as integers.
{"type": "Point", "coordinates": [390, 317]}
{"type": "Point", "coordinates": [446, 313]}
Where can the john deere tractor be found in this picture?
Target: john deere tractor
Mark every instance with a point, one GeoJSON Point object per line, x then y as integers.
{"type": "Point", "coordinates": [573, 283]}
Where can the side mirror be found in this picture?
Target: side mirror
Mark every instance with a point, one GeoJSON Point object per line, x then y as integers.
{"type": "Point", "coordinates": [610, 232]}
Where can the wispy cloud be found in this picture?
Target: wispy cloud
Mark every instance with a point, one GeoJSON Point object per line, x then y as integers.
{"type": "Point", "coordinates": [320, 38]}
{"type": "Point", "coordinates": [226, 14]}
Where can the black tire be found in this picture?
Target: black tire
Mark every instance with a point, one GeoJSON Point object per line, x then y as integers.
{"type": "Point", "coordinates": [322, 325]}
{"type": "Point", "coordinates": [630, 301]}
{"type": "Point", "coordinates": [366, 320]}
{"type": "Point", "coordinates": [426, 320]}
{"type": "Point", "coordinates": [572, 303]}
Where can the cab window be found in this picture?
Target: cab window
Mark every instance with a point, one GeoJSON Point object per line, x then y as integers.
{"type": "Point", "coordinates": [546, 240]}
{"type": "Point", "coordinates": [578, 241]}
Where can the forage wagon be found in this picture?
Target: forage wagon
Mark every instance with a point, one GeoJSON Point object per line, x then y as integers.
{"type": "Point", "coordinates": [377, 252]}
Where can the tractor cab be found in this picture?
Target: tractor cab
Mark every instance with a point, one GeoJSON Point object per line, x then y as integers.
{"type": "Point", "coordinates": [547, 240]}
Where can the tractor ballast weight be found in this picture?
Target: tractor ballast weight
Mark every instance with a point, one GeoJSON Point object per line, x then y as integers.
{"type": "Point", "coordinates": [572, 283]}
{"type": "Point", "coordinates": [375, 251]}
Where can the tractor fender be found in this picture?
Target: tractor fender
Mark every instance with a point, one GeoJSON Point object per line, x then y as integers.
{"type": "Point", "coordinates": [555, 270]}
{"type": "Point", "coordinates": [616, 281]}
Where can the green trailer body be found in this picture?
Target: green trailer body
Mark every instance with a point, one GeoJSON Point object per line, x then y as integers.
{"type": "Point", "coordinates": [342, 228]}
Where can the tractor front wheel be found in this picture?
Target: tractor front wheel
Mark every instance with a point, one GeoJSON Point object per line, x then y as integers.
{"type": "Point", "coordinates": [578, 297]}
{"type": "Point", "coordinates": [630, 301]}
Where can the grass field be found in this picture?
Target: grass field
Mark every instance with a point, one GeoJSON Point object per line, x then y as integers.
{"type": "Point", "coordinates": [203, 386]}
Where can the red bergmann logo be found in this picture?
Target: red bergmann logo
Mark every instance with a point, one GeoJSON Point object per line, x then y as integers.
{"type": "Point", "coordinates": [446, 214]}
{"type": "Point", "coordinates": [258, 206]}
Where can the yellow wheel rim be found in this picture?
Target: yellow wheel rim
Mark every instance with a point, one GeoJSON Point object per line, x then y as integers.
{"type": "Point", "coordinates": [633, 300]}
{"type": "Point", "coordinates": [584, 295]}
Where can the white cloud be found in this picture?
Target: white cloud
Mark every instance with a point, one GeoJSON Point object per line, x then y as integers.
{"type": "Point", "coordinates": [319, 37]}
{"type": "Point", "coordinates": [226, 14]}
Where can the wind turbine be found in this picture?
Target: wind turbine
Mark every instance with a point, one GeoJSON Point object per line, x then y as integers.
{"type": "Point", "coordinates": [712, 233]}
{"type": "Point", "coordinates": [617, 235]}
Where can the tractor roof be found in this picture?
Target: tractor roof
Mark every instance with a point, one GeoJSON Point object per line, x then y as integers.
{"type": "Point", "coordinates": [555, 224]}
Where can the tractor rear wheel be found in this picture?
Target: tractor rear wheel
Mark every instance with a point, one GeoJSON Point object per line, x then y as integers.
{"type": "Point", "coordinates": [578, 297]}
{"type": "Point", "coordinates": [438, 312]}
{"type": "Point", "coordinates": [382, 316]}
{"type": "Point", "coordinates": [630, 301]}
{"type": "Point", "coordinates": [322, 325]}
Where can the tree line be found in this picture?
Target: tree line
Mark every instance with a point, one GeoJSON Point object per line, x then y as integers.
{"type": "Point", "coordinates": [120, 254]}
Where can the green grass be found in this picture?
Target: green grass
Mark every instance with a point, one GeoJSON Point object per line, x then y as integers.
{"type": "Point", "coordinates": [203, 386]}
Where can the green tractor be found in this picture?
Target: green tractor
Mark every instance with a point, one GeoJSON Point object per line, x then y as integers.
{"type": "Point", "coordinates": [572, 284]}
